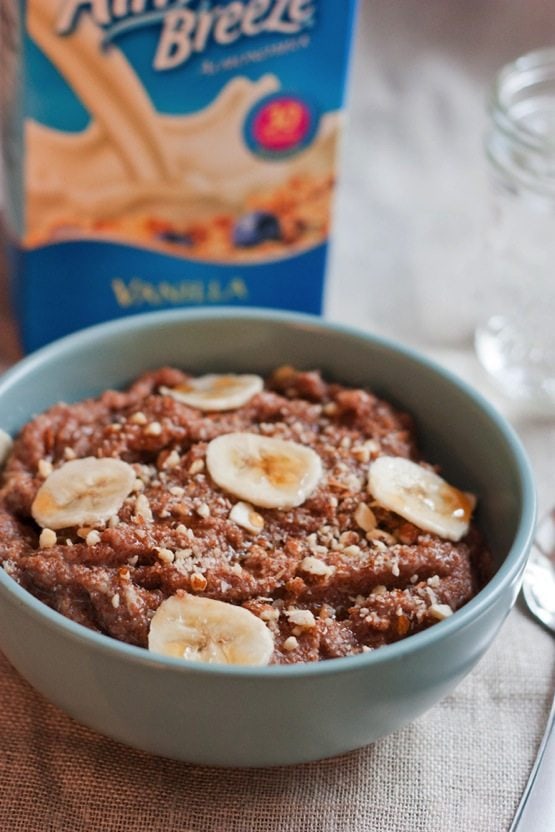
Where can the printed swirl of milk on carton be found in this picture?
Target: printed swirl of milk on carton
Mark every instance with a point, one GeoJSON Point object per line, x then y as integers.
{"type": "Point", "coordinates": [165, 153]}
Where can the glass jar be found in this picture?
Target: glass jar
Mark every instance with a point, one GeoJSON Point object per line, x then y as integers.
{"type": "Point", "coordinates": [515, 341]}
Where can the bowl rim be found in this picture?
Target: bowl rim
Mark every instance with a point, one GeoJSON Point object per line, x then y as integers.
{"type": "Point", "coordinates": [512, 565]}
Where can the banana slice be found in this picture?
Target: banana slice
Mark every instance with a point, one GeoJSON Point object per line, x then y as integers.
{"type": "Point", "coordinates": [83, 492]}
{"type": "Point", "coordinates": [204, 630]}
{"type": "Point", "coordinates": [6, 444]}
{"type": "Point", "coordinates": [270, 473]}
{"type": "Point", "coordinates": [421, 496]}
{"type": "Point", "coordinates": [216, 392]}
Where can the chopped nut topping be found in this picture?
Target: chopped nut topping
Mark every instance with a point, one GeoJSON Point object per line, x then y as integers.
{"type": "Point", "coordinates": [166, 555]}
{"type": "Point", "coordinates": [269, 614]}
{"type": "Point", "coordinates": [115, 600]}
{"type": "Point", "coordinates": [379, 589]}
{"type": "Point", "coordinates": [315, 566]}
{"type": "Point", "coordinates": [69, 453]}
{"type": "Point", "coordinates": [301, 618]}
{"type": "Point", "coordinates": [45, 468]}
{"type": "Point", "coordinates": [245, 516]}
{"type": "Point", "coordinates": [142, 508]}
{"type": "Point", "coordinates": [290, 644]}
{"type": "Point", "coordinates": [138, 418]}
{"type": "Point", "coordinates": [172, 460]}
{"type": "Point", "coordinates": [153, 429]}
{"type": "Point", "coordinates": [381, 535]}
{"type": "Point", "coordinates": [203, 510]}
{"type": "Point", "coordinates": [92, 538]}
{"type": "Point", "coordinates": [47, 539]}
{"type": "Point", "coordinates": [198, 582]}
{"type": "Point", "coordinates": [440, 611]}
{"type": "Point", "coordinates": [365, 517]}
{"type": "Point", "coordinates": [197, 466]}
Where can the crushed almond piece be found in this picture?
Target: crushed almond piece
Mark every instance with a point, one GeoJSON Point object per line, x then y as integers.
{"type": "Point", "coordinates": [44, 468]}
{"type": "Point", "coordinates": [403, 625]}
{"type": "Point", "coordinates": [315, 566]}
{"type": "Point", "coordinates": [196, 467]}
{"type": "Point", "coordinates": [270, 614]}
{"type": "Point", "coordinates": [138, 418]}
{"type": "Point", "coordinates": [47, 539]}
{"type": "Point", "coordinates": [379, 589]}
{"type": "Point", "coordinates": [172, 460]}
{"type": "Point", "coordinates": [290, 644]}
{"type": "Point", "coordinates": [115, 600]}
{"type": "Point", "coordinates": [301, 618]}
{"type": "Point", "coordinates": [92, 538]}
{"type": "Point", "coordinates": [365, 517]}
{"type": "Point", "coordinates": [381, 535]}
{"type": "Point", "coordinates": [247, 517]}
{"type": "Point", "coordinates": [166, 555]}
{"type": "Point", "coordinates": [153, 429]}
{"type": "Point", "coordinates": [198, 582]}
{"type": "Point", "coordinates": [440, 611]}
{"type": "Point", "coordinates": [142, 508]}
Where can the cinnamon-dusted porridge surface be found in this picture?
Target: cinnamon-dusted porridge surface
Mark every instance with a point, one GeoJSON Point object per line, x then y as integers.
{"type": "Point", "coordinates": [334, 576]}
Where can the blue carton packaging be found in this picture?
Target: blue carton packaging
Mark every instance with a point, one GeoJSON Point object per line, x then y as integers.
{"type": "Point", "coordinates": [169, 153]}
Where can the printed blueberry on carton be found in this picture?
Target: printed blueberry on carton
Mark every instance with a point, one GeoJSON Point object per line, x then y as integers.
{"type": "Point", "coordinates": [165, 153]}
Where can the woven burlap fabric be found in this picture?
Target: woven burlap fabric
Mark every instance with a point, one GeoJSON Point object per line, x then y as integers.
{"type": "Point", "coordinates": [415, 113]}
{"type": "Point", "coordinates": [461, 767]}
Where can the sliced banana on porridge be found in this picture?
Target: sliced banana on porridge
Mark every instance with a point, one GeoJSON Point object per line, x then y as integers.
{"type": "Point", "coordinates": [267, 472]}
{"type": "Point", "coordinates": [204, 630]}
{"type": "Point", "coordinates": [216, 392]}
{"type": "Point", "coordinates": [421, 496]}
{"type": "Point", "coordinates": [6, 444]}
{"type": "Point", "coordinates": [83, 491]}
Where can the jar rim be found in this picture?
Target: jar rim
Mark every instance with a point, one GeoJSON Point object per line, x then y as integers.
{"type": "Point", "coordinates": [511, 85]}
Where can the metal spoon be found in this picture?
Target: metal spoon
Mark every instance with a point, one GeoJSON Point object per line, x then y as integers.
{"type": "Point", "coordinates": [536, 811]}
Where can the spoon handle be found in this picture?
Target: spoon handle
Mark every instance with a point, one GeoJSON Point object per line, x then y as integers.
{"type": "Point", "coordinates": [536, 811]}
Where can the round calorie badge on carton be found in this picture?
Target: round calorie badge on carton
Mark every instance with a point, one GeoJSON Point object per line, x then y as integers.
{"type": "Point", "coordinates": [280, 125]}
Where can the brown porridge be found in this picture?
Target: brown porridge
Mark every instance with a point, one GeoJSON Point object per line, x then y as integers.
{"type": "Point", "coordinates": [317, 557]}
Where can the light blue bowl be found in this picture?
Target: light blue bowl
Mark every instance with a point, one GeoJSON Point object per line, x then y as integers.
{"type": "Point", "coordinates": [274, 715]}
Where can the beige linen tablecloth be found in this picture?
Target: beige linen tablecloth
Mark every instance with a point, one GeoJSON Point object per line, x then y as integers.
{"type": "Point", "coordinates": [460, 767]}
{"type": "Point", "coordinates": [409, 195]}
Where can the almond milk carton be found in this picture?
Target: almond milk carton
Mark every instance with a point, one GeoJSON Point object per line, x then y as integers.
{"type": "Point", "coordinates": [168, 153]}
